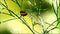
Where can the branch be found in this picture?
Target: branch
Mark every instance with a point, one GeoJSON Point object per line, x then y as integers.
{"type": "Point", "coordinates": [5, 13]}
{"type": "Point", "coordinates": [34, 23]}
{"type": "Point", "coordinates": [49, 24]}
{"type": "Point", "coordinates": [56, 20]}
{"type": "Point", "coordinates": [55, 14]}
{"type": "Point", "coordinates": [54, 10]}
{"type": "Point", "coordinates": [46, 32]}
{"type": "Point", "coordinates": [6, 8]}
{"type": "Point", "coordinates": [23, 21]}
{"type": "Point", "coordinates": [53, 23]}
{"type": "Point", "coordinates": [9, 20]}
{"type": "Point", "coordinates": [5, 3]}
{"type": "Point", "coordinates": [16, 3]}
{"type": "Point", "coordinates": [51, 29]}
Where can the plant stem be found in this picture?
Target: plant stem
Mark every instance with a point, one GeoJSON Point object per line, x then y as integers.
{"type": "Point", "coordinates": [16, 1]}
{"type": "Point", "coordinates": [7, 6]}
{"type": "Point", "coordinates": [5, 3]}
{"type": "Point", "coordinates": [51, 29]}
{"type": "Point", "coordinates": [23, 21]}
{"type": "Point", "coordinates": [5, 13]}
{"type": "Point", "coordinates": [56, 20]}
{"type": "Point", "coordinates": [9, 20]}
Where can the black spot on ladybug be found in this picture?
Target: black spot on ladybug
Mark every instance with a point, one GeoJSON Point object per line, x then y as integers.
{"type": "Point", "coordinates": [23, 13]}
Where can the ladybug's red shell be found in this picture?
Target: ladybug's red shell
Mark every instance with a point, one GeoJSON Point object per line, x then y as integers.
{"type": "Point", "coordinates": [23, 13]}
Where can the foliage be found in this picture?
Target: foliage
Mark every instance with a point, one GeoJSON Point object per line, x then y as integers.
{"type": "Point", "coordinates": [32, 6]}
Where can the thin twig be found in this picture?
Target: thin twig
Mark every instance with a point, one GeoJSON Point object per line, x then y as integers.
{"type": "Point", "coordinates": [9, 20]}
{"type": "Point", "coordinates": [13, 1]}
{"type": "Point", "coordinates": [16, 3]}
{"type": "Point", "coordinates": [54, 9]}
{"type": "Point", "coordinates": [56, 16]}
{"type": "Point", "coordinates": [42, 22]}
{"type": "Point", "coordinates": [5, 13]}
{"type": "Point", "coordinates": [34, 23]}
{"type": "Point", "coordinates": [48, 23]}
{"type": "Point", "coordinates": [57, 13]}
{"type": "Point", "coordinates": [53, 23]}
{"type": "Point", "coordinates": [5, 7]}
{"type": "Point", "coordinates": [51, 29]}
{"type": "Point", "coordinates": [23, 21]}
{"type": "Point", "coordinates": [5, 3]}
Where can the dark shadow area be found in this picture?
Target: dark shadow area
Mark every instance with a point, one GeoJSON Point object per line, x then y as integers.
{"type": "Point", "coordinates": [5, 32]}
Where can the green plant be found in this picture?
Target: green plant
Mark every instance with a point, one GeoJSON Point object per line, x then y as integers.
{"type": "Point", "coordinates": [34, 6]}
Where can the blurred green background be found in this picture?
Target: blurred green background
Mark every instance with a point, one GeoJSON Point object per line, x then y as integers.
{"type": "Point", "coordinates": [16, 26]}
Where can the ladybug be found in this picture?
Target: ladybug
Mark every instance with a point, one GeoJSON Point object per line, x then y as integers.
{"type": "Point", "coordinates": [23, 13]}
